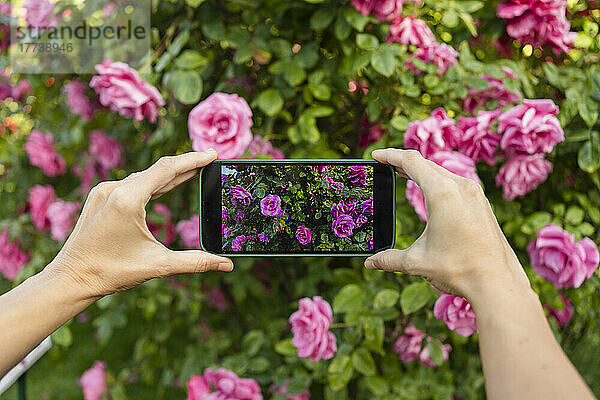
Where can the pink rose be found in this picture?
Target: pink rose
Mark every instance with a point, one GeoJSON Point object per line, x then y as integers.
{"type": "Point", "coordinates": [162, 230]}
{"type": "Point", "coordinates": [441, 55]}
{"type": "Point", "coordinates": [435, 133]}
{"type": "Point", "coordinates": [303, 235]}
{"type": "Point", "coordinates": [478, 98]}
{"type": "Point", "coordinates": [216, 298]}
{"type": "Point", "coordinates": [198, 388]}
{"type": "Point", "coordinates": [12, 259]}
{"type": "Point", "coordinates": [237, 243]}
{"type": "Point", "coordinates": [479, 141]}
{"type": "Point", "coordinates": [424, 357]}
{"type": "Point", "coordinates": [221, 122]}
{"type": "Point", "coordinates": [282, 390]}
{"type": "Point", "coordinates": [262, 147]}
{"type": "Point", "coordinates": [563, 316]}
{"type": "Point", "coordinates": [16, 91]}
{"type": "Point", "coordinates": [410, 30]}
{"type": "Point", "coordinates": [522, 174]}
{"type": "Point", "coordinates": [189, 230]}
{"type": "Point", "coordinates": [538, 23]}
{"type": "Point", "coordinates": [454, 162]}
{"type": "Point", "coordinates": [41, 152]}
{"type": "Point", "coordinates": [371, 134]}
{"type": "Point", "coordinates": [343, 225]}
{"type": "Point", "coordinates": [40, 13]}
{"type": "Point", "coordinates": [77, 101]}
{"type": "Point", "coordinates": [61, 215]}
{"type": "Point", "coordinates": [270, 205]}
{"type": "Point", "coordinates": [530, 127]}
{"type": "Point", "coordinates": [106, 150]}
{"type": "Point", "coordinates": [310, 326]}
{"type": "Point", "coordinates": [558, 258]}
{"type": "Point", "coordinates": [40, 198]}
{"type": "Point", "coordinates": [227, 385]}
{"type": "Point", "coordinates": [93, 382]}
{"type": "Point", "coordinates": [408, 345]}
{"type": "Point", "coordinates": [384, 10]}
{"type": "Point", "coordinates": [120, 88]}
{"type": "Point", "coordinates": [456, 313]}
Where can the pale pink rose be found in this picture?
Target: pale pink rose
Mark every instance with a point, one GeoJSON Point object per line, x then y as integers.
{"type": "Point", "coordinates": [12, 259]}
{"type": "Point", "coordinates": [107, 151]}
{"type": "Point", "coordinates": [221, 122]}
{"type": "Point", "coordinates": [310, 326]}
{"type": "Point", "coordinates": [433, 134]}
{"type": "Point", "coordinates": [77, 101]}
{"type": "Point", "coordinates": [384, 10]}
{"type": "Point", "coordinates": [40, 13]}
{"type": "Point", "coordinates": [454, 162]}
{"type": "Point", "coordinates": [354, 86]}
{"type": "Point", "coordinates": [479, 141]}
{"type": "Point", "coordinates": [88, 173]}
{"type": "Point", "coordinates": [61, 215]}
{"type": "Point", "coordinates": [41, 152]}
{"type": "Point", "coordinates": [93, 382]}
{"type": "Point", "coordinates": [121, 88]}
{"type": "Point", "coordinates": [424, 357]}
{"type": "Point", "coordinates": [410, 30]}
{"type": "Point", "coordinates": [522, 174]}
{"type": "Point", "coordinates": [198, 388]}
{"type": "Point", "coordinates": [228, 386]}
{"type": "Point", "coordinates": [282, 390]}
{"type": "Point", "coordinates": [562, 315]}
{"type": "Point", "coordinates": [5, 8]}
{"type": "Point", "coordinates": [497, 91]}
{"type": "Point", "coordinates": [558, 258]}
{"type": "Point", "coordinates": [441, 55]}
{"type": "Point", "coordinates": [456, 313]}
{"type": "Point", "coordinates": [163, 230]}
{"type": "Point", "coordinates": [538, 23]}
{"type": "Point", "coordinates": [408, 345]}
{"type": "Point", "coordinates": [189, 230]}
{"type": "Point", "coordinates": [40, 198]}
{"type": "Point", "coordinates": [531, 127]}
{"type": "Point", "coordinates": [262, 147]}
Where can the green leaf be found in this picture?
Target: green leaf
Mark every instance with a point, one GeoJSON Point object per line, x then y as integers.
{"type": "Point", "coordinates": [319, 111]}
{"type": "Point", "coordinates": [588, 157]}
{"type": "Point", "coordinates": [435, 352]}
{"type": "Point", "coordinates": [377, 385]}
{"type": "Point", "coordinates": [339, 372]}
{"type": "Point", "coordinates": [469, 23]}
{"type": "Point", "coordinates": [270, 101]}
{"type": "Point", "coordinates": [574, 215]}
{"type": "Point", "coordinates": [363, 361]}
{"type": "Point", "coordinates": [356, 19]}
{"type": "Point", "coordinates": [386, 298]}
{"type": "Point", "coordinates": [321, 18]}
{"type": "Point", "coordinates": [252, 342]}
{"type": "Point", "coordinates": [349, 299]}
{"type": "Point", "coordinates": [374, 331]}
{"type": "Point", "coordinates": [383, 60]}
{"type": "Point", "coordinates": [342, 29]}
{"type": "Point", "coordinates": [414, 297]}
{"type": "Point", "coordinates": [177, 44]}
{"type": "Point", "coordinates": [299, 382]}
{"type": "Point", "coordinates": [294, 73]}
{"type": "Point", "coordinates": [588, 110]}
{"type": "Point", "coordinates": [478, 84]}
{"type": "Point", "coordinates": [307, 128]}
{"type": "Point", "coordinates": [366, 41]}
{"type": "Point", "coordinates": [450, 18]}
{"type": "Point", "coordinates": [63, 336]}
{"type": "Point", "coordinates": [286, 348]}
{"type": "Point", "coordinates": [400, 122]}
{"type": "Point", "coordinates": [186, 85]}
{"type": "Point", "coordinates": [190, 59]}
{"type": "Point", "coordinates": [194, 3]}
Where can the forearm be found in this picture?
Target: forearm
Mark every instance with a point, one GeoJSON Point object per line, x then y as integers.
{"type": "Point", "coordinates": [32, 311]}
{"type": "Point", "coordinates": [521, 358]}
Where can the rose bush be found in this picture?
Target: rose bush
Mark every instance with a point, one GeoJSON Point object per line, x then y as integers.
{"type": "Point", "coordinates": [510, 89]}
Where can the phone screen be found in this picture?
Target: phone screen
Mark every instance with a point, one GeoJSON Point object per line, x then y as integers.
{"type": "Point", "coordinates": [294, 208]}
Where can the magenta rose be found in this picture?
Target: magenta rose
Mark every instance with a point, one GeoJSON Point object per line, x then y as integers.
{"type": "Point", "coordinates": [263, 237]}
{"type": "Point", "coordinates": [410, 30]}
{"type": "Point", "coordinates": [262, 147]}
{"type": "Point", "coordinates": [416, 199]}
{"type": "Point", "coordinates": [303, 235]}
{"type": "Point", "coordinates": [121, 89]}
{"type": "Point", "coordinates": [227, 385]}
{"type": "Point", "coordinates": [198, 388]}
{"type": "Point", "coordinates": [12, 259]}
{"type": "Point", "coordinates": [522, 174]}
{"type": "Point", "coordinates": [562, 315]}
{"type": "Point", "coordinates": [343, 225]}
{"type": "Point", "coordinates": [216, 298]}
{"type": "Point", "coordinates": [441, 55]}
{"type": "Point", "coordinates": [106, 150]}
{"type": "Point", "coordinates": [479, 141]}
{"type": "Point", "coordinates": [238, 242]}
{"type": "Point", "coordinates": [478, 98]}
{"type": "Point", "coordinates": [358, 175]}
{"type": "Point", "coordinates": [40, 14]}
{"type": "Point", "coordinates": [270, 205]}
{"type": "Point", "coordinates": [189, 230]}
{"type": "Point", "coordinates": [424, 357]}
{"type": "Point", "coordinates": [93, 382]}
{"type": "Point", "coordinates": [408, 345]}
{"type": "Point", "coordinates": [310, 326]}
{"type": "Point", "coordinates": [221, 122]}
{"type": "Point", "coordinates": [371, 134]}
{"type": "Point", "coordinates": [558, 258]}
{"type": "Point", "coordinates": [531, 127]}
{"type": "Point", "coordinates": [6, 10]}
{"type": "Point", "coordinates": [77, 100]}
{"type": "Point", "coordinates": [343, 208]}
{"type": "Point", "coordinates": [225, 230]}
{"type": "Point", "coordinates": [40, 198]}
{"type": "Point", "coordinates": [240, 196]}
{"type": "Point", "coordinates": [41, 152]}
{"type": "Point", "coordinates": [435, 133]}
{"type": "Point", "coordinates": [165, 229]}
{"type": "Point", "coordinates": [282, 390]}
{"type": "Point", "coordinates": [370, 243]}
{"type": "Point", "coordinates": [456, 313]}
{"type": "Point", "coordinates": [17, 91]}
{"type": "Point", "coordinates": [62, 217]}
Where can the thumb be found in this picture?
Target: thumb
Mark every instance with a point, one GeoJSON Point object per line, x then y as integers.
{"type": "Point", "coordinates": [392, 260]}
{"type": "Point", "coordinates": [195, 261]}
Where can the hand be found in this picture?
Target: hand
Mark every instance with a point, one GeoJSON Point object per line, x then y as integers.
{"type": "Point", "coordinates": [111, 247]}
{"type": "Point", "coordinates": [462, 247]}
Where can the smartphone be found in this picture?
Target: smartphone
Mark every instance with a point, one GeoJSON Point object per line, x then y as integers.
{"type": "Point", "coordinates": [297, 207]}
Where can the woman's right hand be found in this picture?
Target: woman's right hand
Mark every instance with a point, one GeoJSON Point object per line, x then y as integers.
{"type": "Point", "coordinates": [462, 248]}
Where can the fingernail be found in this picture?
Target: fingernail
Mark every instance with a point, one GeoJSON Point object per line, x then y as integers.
{"type": "Point", "coordinates": [369, 264]}
{"type": "Point", "coordinates": [211, 150]}
{"type": "Point", "coordinates": [225, 266]}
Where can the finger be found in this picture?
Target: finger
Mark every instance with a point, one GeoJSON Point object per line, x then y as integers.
{"type": "Point", "coordinates": [427, 174]}
{"type": "Point", "coordinates": [392, 260]}
{"type": "Point", "coordinates": [168, 168]}
{"type": "Point", "coordinates": [194, 261]}
{"type": "Point", "coordinates": [174, 183]}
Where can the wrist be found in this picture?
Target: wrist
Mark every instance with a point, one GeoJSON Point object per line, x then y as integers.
{"type": "Point", "coordinates": [76, 289]}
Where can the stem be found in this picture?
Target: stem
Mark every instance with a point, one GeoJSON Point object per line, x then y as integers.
{"type": "Point", "coordinates": [163, 45]}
